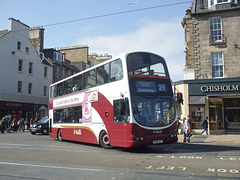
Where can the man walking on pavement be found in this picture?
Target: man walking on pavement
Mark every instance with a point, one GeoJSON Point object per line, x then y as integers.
{"type": "Point", "coordinates": [205, 125]}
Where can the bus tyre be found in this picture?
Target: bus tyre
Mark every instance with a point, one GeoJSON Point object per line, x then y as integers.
{"type": "Point", "coordinates": [104, 140]}
{"type": "Point", "coordinates": [59, 135]}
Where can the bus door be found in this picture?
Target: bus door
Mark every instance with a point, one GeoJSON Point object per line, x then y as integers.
{"type": "Point", "coordinates": [119, 130]}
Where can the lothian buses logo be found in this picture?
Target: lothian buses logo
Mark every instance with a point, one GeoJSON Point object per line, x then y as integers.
{"type": "Point", "coordinates": [77, 132]}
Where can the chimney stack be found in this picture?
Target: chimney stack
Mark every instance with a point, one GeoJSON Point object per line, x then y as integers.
{"type": "Point", "coordinates": [36, 36]}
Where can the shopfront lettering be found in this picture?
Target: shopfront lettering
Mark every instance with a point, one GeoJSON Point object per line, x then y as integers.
{"type": "Point", "coordinates": [13, 105]}
{"type": "Point", "coordinates": [222, 88]}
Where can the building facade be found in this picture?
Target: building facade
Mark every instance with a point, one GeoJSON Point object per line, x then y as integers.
{"type": "Point", "coordinates": [212, 70]}
{"type": "Point", "coordinates": [77, 54]}
{"type": "Point", "coordinates": [62, 67]}
{"type": "Point", "coordinates": [25, 76]}
{"type": "Point", "coordinates": [96, 58]}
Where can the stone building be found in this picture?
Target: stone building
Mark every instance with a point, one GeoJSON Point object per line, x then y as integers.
{"type": "Point", "coordinates": [25, 76]}
{"type": "Point", "coordinates": [96, 58]}
{"type": "Point", "coordinates": [62, 67]}
{"type": "Point", "coordinates": [77, 54]}
{"type": "Point", "coordinates": [211, 85]}
{"type": "Point", "coordinates": [212, 32]}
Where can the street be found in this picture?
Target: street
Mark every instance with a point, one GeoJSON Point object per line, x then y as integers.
{"type": "Point", "coordinates": [26, 156]}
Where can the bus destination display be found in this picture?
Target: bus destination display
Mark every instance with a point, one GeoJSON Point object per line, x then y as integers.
{"type": "Point", "coordinates": [150, 87]}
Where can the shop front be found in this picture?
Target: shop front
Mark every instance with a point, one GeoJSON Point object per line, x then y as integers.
{"type": "Point", "coordinates": [218, 99]}
{"type": "Point", "coordinates": [19, 110]}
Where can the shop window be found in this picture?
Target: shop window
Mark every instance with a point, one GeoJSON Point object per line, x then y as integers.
{"type": "Point", "coordinates": [215, 113]}
{"type": "Point", "coordinates": [232, 113]}
{"type": "Point", "coordinates": [197, 116]}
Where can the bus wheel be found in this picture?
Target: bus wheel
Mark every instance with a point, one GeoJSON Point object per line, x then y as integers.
{"type": "Point", "coordinates": [104, 140]}
{"type": "Point", "coordinates": [59, 135]}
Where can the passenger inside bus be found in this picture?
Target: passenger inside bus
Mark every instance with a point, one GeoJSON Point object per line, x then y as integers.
{"type": "Point", "coordinates": [75, 88]}
{"type": "Point", "coordinates": [119, 74]}
{"type": "Point", "coordinates": [151, 72]}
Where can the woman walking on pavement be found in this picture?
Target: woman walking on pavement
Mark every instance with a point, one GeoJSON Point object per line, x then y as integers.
{"type": "Point", "coordinates": [186, 130]}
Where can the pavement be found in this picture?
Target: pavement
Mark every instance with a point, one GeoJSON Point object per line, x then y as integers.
{"type": "Point", "coordinates": [221, 139]}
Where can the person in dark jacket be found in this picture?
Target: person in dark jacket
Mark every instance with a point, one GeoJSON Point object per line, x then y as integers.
{"type": "Point", "coordinates": [205, 125]}
{"type": "Point", "coordinates": [2, 125]}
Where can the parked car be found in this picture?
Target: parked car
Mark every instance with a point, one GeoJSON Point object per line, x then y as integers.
{"type": "Point", "coordinates": [42, 126]}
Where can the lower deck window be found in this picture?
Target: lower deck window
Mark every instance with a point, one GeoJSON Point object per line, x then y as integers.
{"type": "Point", "coordinates": [68, 115]}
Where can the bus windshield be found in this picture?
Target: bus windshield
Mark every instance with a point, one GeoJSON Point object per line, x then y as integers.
{"type": "Point", "coordinates": [153, 111]}
{"type": "Point", "coordinates": [153, 104]}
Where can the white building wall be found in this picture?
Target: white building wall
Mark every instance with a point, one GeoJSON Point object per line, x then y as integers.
{"type": "Point", "coordinates": [9, 74]}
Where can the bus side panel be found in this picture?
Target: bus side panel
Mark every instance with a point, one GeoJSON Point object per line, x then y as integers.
{"type": "Point", "coordinates": [84, 134]}
{"type": "Point", "coordinates": [78, 133]}
{"type": "Point", "coordinates": [117, 132]}
{"type": "Point", "coordinates": [53, 134]}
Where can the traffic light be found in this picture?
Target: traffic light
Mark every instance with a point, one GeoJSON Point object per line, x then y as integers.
{"type": "Point", "coordinates": [179, 98]}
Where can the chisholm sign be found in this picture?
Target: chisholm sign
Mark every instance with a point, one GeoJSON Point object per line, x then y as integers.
{"type": "Point", "coordinates": [220, 88]}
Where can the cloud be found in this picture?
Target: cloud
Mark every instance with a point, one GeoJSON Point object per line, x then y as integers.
{"type": "Point", "coordinates": [163, 38]}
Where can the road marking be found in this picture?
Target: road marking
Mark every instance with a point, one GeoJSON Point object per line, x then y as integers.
{"type": "Point", "coordinates": [53, 167]}
{"type": "Point", "coordinates": [182, 157]}
{"type": "Point", "coordinates": [232, 171]}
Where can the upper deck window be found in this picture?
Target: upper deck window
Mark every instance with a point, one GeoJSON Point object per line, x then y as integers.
{"type": "Point", "coordinates": [146, 64]}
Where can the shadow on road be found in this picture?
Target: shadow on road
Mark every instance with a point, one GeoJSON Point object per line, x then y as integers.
{"type": "Point", "coordinates": [181, 148]}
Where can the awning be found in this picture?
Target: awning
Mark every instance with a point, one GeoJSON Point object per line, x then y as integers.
{"type": "Point", "coordinates": [42, 108]}
{"type": "Point", "coordinates": [197, 100]}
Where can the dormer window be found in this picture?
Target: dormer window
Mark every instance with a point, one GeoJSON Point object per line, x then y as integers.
{"type": "Point", "coordinates": [57, 57]}
{"type": "Point", "coordinates": [215, 2]}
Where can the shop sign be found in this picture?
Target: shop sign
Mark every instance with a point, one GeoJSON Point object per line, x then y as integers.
{"type": "Point", "coordinates": [13, 105]}
{"type": "Point", "coordinates": [221, 88]}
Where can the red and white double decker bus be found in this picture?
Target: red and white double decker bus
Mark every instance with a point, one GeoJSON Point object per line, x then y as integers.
{"type": "Point", "coordinates": [123, 102]}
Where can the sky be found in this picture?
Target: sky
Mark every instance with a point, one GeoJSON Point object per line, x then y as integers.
{"type": "Point", "coordinates": [108, 26]}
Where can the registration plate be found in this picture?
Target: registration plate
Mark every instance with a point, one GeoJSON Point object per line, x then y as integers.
{"type": "Point", "coordinates": [157, 141]}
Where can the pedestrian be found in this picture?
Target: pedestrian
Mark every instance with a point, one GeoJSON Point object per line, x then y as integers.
{"type": "Point", "coordinates": [14, 125]}
{"type": "Point", "coordinates": [2, 125]}
{"type": "Point", "coordinates": [205, 125]}
{"type": "Point", "coordinates": [22, 124]}
{"type": "Point", "coordinates": [178, 124]}
{"type": "Point", "coordinates": [186, 130]}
